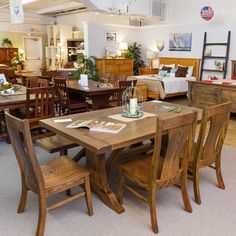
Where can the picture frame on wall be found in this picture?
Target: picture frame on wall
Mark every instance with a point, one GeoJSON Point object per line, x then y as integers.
{"type": "Point", "coordinates": [111, 36]}
{"type": "Point", "coordinates": [180, 41]}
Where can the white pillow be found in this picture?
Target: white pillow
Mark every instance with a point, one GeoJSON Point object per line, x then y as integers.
{"type": "Point", "coordinates": [172, 75]}
{"type": "Point", "coordinates": [167, 65]}
{"type": "Point", "coordinates": [189, 71]}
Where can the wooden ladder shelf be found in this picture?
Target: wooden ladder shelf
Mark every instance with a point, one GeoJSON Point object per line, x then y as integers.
{"type": "Point", "coordinates": [223, 58]}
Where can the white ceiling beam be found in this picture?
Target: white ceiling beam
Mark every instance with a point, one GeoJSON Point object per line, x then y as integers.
{"type": "Point", "coordinates": [59, 7]}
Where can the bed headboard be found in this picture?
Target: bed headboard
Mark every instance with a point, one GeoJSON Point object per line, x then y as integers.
{"type": "Point", "coordinates": [183, 61]}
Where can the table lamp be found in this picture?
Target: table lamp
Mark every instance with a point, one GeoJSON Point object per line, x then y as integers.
{"type": "Point", "coordinates": [150, 55]}
{"type": "Point", "coordinates": [123, 47]}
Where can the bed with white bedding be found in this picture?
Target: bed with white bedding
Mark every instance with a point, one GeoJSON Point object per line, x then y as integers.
{"type": "Point", "coordinates": [164, 86]}
{"type": "Point", "coordinates": [169, 86]}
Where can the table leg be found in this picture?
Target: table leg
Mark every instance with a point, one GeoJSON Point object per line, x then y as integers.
{"type": "Point", "coordinates": [98, 176]}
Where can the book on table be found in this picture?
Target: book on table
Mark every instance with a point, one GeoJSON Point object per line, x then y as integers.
{"type": "Point", "coordinates": [99, 126]}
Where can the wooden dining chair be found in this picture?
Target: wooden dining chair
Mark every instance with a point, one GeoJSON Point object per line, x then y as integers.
{"type": "Point", "coordinates": [10, 76]}
{"type": "Point", "coordinates": [39, 105]}
{"type": "Point", "coordinates": [66, 105]}
{"type": "Point", "coordinates": [55, 176]}
{"type": "Point", "coordinates": [55, 73]}
{"type": "Point", "coordinates": [123, 85]}
{"type": "Point", "coordinates": [42, 82]}
{"type": "Point", "coordinates": [207, 149]}
{"type": "Point", "coordinates": [161, 169]}
{"type": "Point", "coordinates": [31, 82]}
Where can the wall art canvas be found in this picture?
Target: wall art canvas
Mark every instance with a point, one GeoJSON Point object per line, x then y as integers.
{"type": "Point", "coordinates": [180, 41]}
{"type": "Point", "coordinates": [111, 36]}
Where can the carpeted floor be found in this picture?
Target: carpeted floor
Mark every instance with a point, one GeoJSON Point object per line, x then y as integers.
{"type": "Point", "coordinates": [215, 216]}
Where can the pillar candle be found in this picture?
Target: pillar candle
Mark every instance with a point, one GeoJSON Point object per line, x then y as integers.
{"type": "Point", "coordinates": [133, 105]}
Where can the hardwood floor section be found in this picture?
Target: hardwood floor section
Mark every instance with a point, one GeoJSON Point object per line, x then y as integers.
{"type": "Point", "coordinates": [230, 138]}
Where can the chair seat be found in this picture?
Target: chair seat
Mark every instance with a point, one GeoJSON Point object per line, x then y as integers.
{"type": "Point", "coordinates": [140, 168]}
{"type": "Point", "coordinates": [55, 143]}
{"type": "Point", "coordinates": [61, 174]}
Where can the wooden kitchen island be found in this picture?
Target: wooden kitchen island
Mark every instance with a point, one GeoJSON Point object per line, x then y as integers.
{"type": "Point", "coordinates": [208, 93]}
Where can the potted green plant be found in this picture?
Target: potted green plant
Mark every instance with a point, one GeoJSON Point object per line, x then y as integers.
{"type": "Point", "coordinates": [134, 52]}
{"type": "Point", "coordinates": [85, 65]}
{"type": "Point", "coordinates": [6, 42]}
{"type": "Point", "coordinates": [18, 60]}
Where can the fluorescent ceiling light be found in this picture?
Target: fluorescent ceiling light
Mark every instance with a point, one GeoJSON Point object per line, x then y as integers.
{"type": "Point", "coordinates": [27, 1]}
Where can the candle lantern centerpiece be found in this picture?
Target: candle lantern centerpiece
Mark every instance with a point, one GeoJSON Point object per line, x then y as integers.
{"type": "Point", "coordinates": [132, 102]}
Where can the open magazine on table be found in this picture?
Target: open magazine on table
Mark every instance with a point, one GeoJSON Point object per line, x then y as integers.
{"type": "Point", "coordinates": [100, 126]}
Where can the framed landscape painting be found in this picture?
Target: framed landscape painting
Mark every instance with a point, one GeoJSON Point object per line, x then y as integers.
{"type": "Point", "coordinates": [180, 41]}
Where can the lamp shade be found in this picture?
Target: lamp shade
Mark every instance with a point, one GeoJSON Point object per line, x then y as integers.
{"type": "Point", "coordinates": [123, 45]}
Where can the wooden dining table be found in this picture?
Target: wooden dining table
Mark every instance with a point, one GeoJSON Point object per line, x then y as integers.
{"type": "Point", "coordinates": [14, 101]}
{"type": "Point", "coordinates": [99, 144]}
{"type": "Point", "coordinates": [99, 96]}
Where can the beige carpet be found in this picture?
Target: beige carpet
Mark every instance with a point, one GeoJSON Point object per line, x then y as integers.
{"type": "Point", "coordinates": [216, 216]}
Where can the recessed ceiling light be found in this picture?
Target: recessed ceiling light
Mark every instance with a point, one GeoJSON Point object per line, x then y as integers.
{"type": "Point", "coordinates": [27, 1]}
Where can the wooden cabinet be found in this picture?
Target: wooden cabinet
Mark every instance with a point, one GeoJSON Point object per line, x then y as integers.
{"type": "Point", "coordinates": [6, 55]}
{"type": "Point", "coordinates": [201, 94]}
{"type": "Point", "coordinates": [147, 71]}
{"type": "Point", "coordinates": [115, 66]}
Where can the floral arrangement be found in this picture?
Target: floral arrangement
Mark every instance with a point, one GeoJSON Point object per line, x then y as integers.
{"type": "Point", "coordinates": [7, 88]}
{"type": "Point", "coordinates": [18, 58]}
{"type": "Point", "coordinates": [85, 65]}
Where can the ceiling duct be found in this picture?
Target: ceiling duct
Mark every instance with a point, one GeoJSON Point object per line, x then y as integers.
{"type": "Point", "coordinates": [131, 7]}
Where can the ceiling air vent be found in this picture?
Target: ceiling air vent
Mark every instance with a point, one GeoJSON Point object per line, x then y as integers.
{"type": "Point", "coordinates": [159, 8]}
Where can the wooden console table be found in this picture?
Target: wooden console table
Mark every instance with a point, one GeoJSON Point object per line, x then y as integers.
{"type": "Point", "coordinates": [204, 94]}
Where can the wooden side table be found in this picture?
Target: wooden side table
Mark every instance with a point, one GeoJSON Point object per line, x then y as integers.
{"type": "Point", "coordinates": [148, 71]}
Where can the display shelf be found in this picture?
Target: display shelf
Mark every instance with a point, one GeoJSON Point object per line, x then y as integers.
{"type": "Point", "coordinates": [223, 58]}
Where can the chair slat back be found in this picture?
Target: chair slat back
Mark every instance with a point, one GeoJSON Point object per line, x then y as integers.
{"type": "Point", "coordinates": [42, 82]}
{"type": "Point", "coordinates": [21, 141]}
{"type": "Point", "coordinates": [213, 130]}
{"type": "Point", "coordinates": [123, 85]}
{"type": "Point", "coordinates": [178, 138]}
{"type": "Point", "coordinates": [61, 90]}
{"type": "Point", "coordinates": [9, 74]}
{"type": "Point", "coordinates": [31, 82]}
{"type": "Point", "coordinates": [43, 104]}
{"type": "Point", "coordinates": [55, 73]}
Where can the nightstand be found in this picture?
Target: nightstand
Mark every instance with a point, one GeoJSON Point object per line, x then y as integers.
{"type": "Point", "coordinates": [147, 71]}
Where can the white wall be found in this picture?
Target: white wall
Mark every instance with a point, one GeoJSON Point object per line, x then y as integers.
{"type": "Point", "coordinates": [188, 11]}
{"type": "Point", "coordinates": [94, 35]}
{"type": "Point", "coordinates": [184, 16]}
